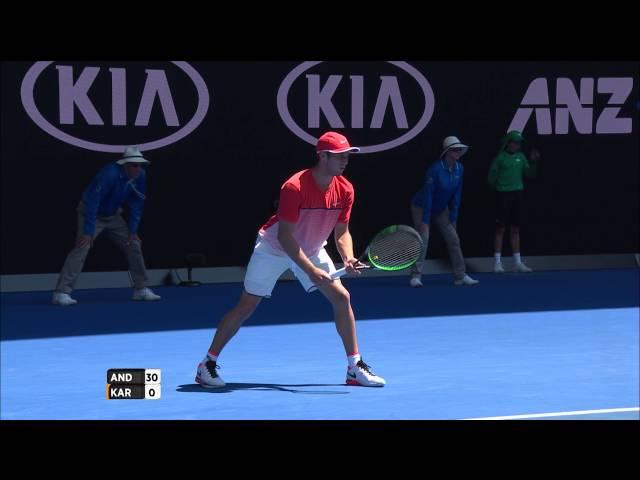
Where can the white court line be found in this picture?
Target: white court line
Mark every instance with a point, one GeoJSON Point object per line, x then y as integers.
{"type": "Point", "coordinates": [560, 414]}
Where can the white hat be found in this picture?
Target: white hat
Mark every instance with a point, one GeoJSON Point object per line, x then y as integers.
{"type": "Point", "coordinates": [453, 142]}
{"type": "Point", "coordinates": [132, 155]}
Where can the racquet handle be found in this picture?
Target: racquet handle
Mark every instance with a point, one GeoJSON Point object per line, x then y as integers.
{"type": "Point", "coordinates": [343, 271]}
{"type": "Point", "coordinates": [339, 273]}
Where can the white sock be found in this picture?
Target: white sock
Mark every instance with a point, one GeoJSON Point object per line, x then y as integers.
{"type": "Point", "coordinates": [498, 255]}
{"type": "Point", "coordinates": [516, 257]}
{"type": "Point", "coordinates": [212, 357]}
{"type": "Point", "coordinates": [353, 359]}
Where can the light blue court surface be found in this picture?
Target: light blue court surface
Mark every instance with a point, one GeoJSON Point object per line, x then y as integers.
{"type": "Point", "coordinates": [563, 344]}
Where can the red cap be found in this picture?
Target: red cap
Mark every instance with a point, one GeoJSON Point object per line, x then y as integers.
{"type": "Point", "coordinates": [333, 142]}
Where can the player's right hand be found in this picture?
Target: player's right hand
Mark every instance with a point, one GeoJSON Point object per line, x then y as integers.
{"type": "Point", "coordinates": [84, 240]}
{"type": "Point", "coordinates": [353, 266]}
{"type": "Point", "coordinates": [319, 276]}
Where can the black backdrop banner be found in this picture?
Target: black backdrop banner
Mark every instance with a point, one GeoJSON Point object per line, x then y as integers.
{"type": "Point", "coordinates": [223, 136]}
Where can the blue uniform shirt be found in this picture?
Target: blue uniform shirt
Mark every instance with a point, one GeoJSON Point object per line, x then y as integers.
{"type": "Point", "coordinates": [108, 191]}
{"type": "Point", "coordinates": [442, 188]}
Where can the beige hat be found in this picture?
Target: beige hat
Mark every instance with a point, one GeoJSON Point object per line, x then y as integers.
{"type": "Point", "coordinates": [453, 142]}
{"type": "Point", "coordinates": [132, 155]}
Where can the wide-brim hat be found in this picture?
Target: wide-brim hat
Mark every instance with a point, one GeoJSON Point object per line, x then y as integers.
{"type": "Point", "coordinates": [132, 155]}
{"type": "Point", "coordinates": [453, 142]}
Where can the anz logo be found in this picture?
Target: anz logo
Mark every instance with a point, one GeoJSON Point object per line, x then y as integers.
{"type": "Point", "coordinates": [576, 104]}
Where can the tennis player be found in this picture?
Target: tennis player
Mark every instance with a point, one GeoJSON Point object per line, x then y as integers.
{"type": "Point", "coordinates": [313, 203]}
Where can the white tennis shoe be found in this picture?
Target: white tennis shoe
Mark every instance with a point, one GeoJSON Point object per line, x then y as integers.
{"type": "Point", "coordinates": [467, 280]}
{"type": "Point", "coordinates": [64, 299]}
{"type": "Point", "coordinates": [521, 268]}
{"type": "Point", "coordinates": [362, 375]}
{"type": "Point", "coordinates": [207, 376]}
{"type": "Point", "coordinates": [145, 294]}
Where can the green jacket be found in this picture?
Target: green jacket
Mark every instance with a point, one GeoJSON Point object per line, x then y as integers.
{"type": "Point", "coordinates": [507, 170]}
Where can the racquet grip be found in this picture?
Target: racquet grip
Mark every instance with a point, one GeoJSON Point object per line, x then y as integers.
{"type": "Point", "coordinates": [343, 271]}
{"type": "Point", "coordinates": [339, 273]}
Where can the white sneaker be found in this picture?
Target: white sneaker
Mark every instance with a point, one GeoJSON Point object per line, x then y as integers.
{"type": "Point", "coordinates": [415, 282]}
{"type": "Point", "coordinates": [498, 268]}
{"type": "Point", "coordinates": [207, 376]}
{"type": "Point", "coordinates": [467, 280]}
{"type": "Point", "coordinates": [145, 294]}
{"type": "Point", "coordinates": [63, 299]}
{"type": "Point", "coordinates": [362, 375]}
{"type": "Point", "coordinates": [521, 268]}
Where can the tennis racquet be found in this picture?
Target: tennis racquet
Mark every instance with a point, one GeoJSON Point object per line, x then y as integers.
{"type": "Point", "coordinates": [394, 248]}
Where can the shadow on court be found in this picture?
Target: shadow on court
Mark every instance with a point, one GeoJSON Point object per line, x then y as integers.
{"type": "Point", "coordinates": [232, 387]}
{"type": "Point", "coordinates": [111, 311]}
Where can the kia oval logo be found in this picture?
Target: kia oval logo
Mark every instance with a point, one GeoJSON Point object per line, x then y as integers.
{"type": "Point", "coordinates": [132, 90]}
{"type": "Point", "coordinates": [365, 104]}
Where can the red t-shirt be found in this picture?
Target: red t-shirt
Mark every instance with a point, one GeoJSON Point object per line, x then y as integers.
{"type": "Point", "coordinates": [315, 212]}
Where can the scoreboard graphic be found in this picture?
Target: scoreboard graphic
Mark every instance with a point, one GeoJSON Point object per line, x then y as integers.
{"type": "Point", "coordinates": [134, 384]}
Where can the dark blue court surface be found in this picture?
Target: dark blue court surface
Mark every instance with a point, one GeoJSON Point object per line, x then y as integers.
{"type": "Point", "coordinates": [551, 345]}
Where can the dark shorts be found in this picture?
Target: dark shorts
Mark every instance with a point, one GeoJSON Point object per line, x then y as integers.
{"type": "Point", "coordinates": [508, 208]}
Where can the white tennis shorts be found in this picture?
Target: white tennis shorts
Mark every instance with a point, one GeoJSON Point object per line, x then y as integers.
{"type": "Point", "coordinates": [267, 265]}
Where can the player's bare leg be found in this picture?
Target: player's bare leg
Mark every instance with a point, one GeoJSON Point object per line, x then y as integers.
{"type": "Point", "coordinates": [231, 322]}
{"type": "Point", "coordinates": [358, 372]}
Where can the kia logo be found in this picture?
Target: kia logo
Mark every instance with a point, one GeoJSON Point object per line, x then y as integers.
{"type": "Point", "coordinates": [131, 108]}
{"type": "Point", "coordinates": [389, 98]}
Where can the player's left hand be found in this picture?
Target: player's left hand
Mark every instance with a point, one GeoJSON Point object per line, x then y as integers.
{"type": "Point", "coordinates": [353, 265]}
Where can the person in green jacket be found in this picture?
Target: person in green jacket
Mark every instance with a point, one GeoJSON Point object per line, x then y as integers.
{"type": "Point", "coordinates": [506, 178]}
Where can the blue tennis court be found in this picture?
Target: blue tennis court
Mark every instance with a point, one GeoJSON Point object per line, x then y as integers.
{"type": "Point", "coordinates": [552, 345]}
